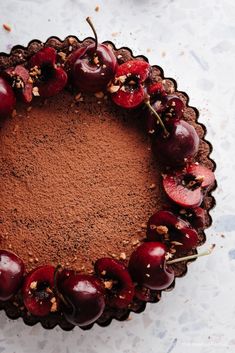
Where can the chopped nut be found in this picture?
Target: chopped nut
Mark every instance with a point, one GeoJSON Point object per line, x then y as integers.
{"type": "Point", "coordinates": [152, 186]}
{"type": "Point", "coordinates": [99, 94]}
{"type": "Point", "coordinates": [54, 306]}
{"type": "Point", "coordinates": [135, 242]}
{"type": "Point", "coordinates": [122, 256]}
{"type": "Point", "coordinates": [36, 91]}
{"type": "Point", "coordinates": [97, 8]}
{"type": "Point", "coordinates": [113, 88]}
{"type": "Point", "coordinates": [6, 27]}
{"type": "Point", "coordinates": [96, 60]}
{"type": "Point", "coordinates": [33, 285]}
{"type": "Point", "coordinates": [144, 226]}
{"type": "Point", "coordinates": [29, 108]}
{"type": "Point", "coordinates": [108, 284]}
{"type": "Point", "coordinates": [71, 40]}
{"type": "Point", "coordinates": [14, 113]}
{"type": "Point", "coordinates": [162, 230]}
{"type": "Point", "coordinates": [62, 55]}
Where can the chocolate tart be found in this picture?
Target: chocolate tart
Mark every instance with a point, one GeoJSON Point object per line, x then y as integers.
{"type": "Point", "coordinates": [79, 180]}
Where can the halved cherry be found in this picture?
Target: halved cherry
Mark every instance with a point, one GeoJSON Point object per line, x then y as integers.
{"type": "Point", "coordinates": [166, 227]}
{"type": "Point", "coordinates": [38, 291]}
{"type": "Point", "coordinates": [21, 82]}
{"type": "Point", "coordinates": [48, 77]}
{"type": "Point", "coordinates": [185, 187]}
{"type": "Point", "coordinates": [117, 281]}
{"type": "Point", "coordinates": [128, 89]}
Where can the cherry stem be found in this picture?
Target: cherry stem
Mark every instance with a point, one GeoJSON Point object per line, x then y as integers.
{"type": "Point", "coordinates": [166, 132]}
{"type": "Point", "coordinates": [88, 19]}
{"type": "Point", "coordinates": [192, 257]}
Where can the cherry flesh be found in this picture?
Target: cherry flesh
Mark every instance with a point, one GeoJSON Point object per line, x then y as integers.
{"type": "Point", "coordinates": [179, 146]}
{"type": "Point", "coordinates": [148, 267]}
{"type": "Point", "coordinates": [38, 291]}
{"type": "Point", "coordinates": [21, 82]}
{"type": "Point", "coordinates": [84, 298]}
{"type": "Point", "coordinates": [49, 78]}
{"type": "Point", "coordinates": [7, 98]}
{"type": "Point", "coordinates": [166, 227]}
{"type": "Point", "coordinates": [186, 187]}
{"type": "Point", "coordinates": [117, 281]}
{"type": "Point", "coordinates": [11, 274]}
{"type": "Point", "coordinates": [128, 90]}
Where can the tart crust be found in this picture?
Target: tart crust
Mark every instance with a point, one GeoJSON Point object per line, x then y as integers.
{"type": "Point", "coordinates": [19, 55]}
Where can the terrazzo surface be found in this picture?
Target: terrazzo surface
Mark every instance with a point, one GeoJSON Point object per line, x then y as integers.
{"type": "Point", "coordinates": [194, 41]}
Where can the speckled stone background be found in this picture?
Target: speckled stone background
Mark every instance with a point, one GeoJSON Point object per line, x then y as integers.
{"type": "Point", "coordinates": [194, 41]}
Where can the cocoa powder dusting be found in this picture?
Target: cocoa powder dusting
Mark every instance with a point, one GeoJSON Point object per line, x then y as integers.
{"type": "Point", "coordinates": [74, 182]}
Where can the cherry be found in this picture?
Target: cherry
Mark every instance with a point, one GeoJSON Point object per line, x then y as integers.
{"type": "Point", "coordinates": [148, 268]}
{"type": "Point", "coordinates": [165, 226]}
{"type": "Point", "coordinates": [117, 281]}
{"type": "Point", "coordinates": [179, 145]}
{"type": "Point", "coordinates": [38, 291]}
{"type": "Point", "coordinates": [49, 78]}
{"type": "Point", "coordinates": [21, 82]}
{"type": "Point", "coordinates": [92, 67]}
{"type": "Point", "coordinates": [128, 89]}
{"type": "Point", "coordinates": [7, 98]}
{"type": "Point", "coordinates": [11, 274]}
{"type": "Point", "coordinates": [147, 295]}
{"type": "Point", "coordinates": [196, 216]}
{"type": "Point", "coordinates": [185, 187]}
{"type": "Point", "coordinates": [84, 299]}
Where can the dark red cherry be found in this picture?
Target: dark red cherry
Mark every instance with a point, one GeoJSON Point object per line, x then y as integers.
{"type": "Point", "coordinates": [91, 68]}
{"type": "Point", "coordinates": [84, 295]}
{"type": "Point", "coordinates": [180, 145]}
{"type": "Point", "coordinates": [48, 77]}
{"type": "Point", "coordinates": [173, 106]}
{"type": "Point", "coordinates": [128, 90]}
{"type": "Point", "coordinates": [117, 281]}
{"type": "Point", "coordinates": [7, 98]}
{"type": "Point", "coordinates": [148, 267]}
{"type": "Point", "coordinates": [21, 82]}
{"type": "Point", "coordinates": [165, 226]}
{"type": "Point", "coordinates": [38, 291]}
{"type": "Point", "coordinates": [11, 274]}
{"type": "Point", "coordinates": [186, 187]}
{"type": "Point", "coordinates": [147, 295]}
{"type": "Point", "coordinates": [195, 216]}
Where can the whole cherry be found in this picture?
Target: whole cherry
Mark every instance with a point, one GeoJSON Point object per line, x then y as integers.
{"type": "Point", "coordinates": [187, 186]}
{"type": "Point", "coordinates": [92, 67]}
{"type": "Point", "coordinates": [7, 98]}
{"type": "Point", "coordinates": [117, 282]}
{"type": "Point", "coordinates": [178, 146]}
{"type": "Point", "coordinates": [38, 291]}
{"type": "Point", "coordinates": [148, 267]}
{"type": "Point", "coordinates": [11, 274]}
{"type": "Point", "coordinates": [166, 227]}
{"type": "Point", "coordinates": [49, 78]}
{"type": "Point", "coordinates": [83, 298]}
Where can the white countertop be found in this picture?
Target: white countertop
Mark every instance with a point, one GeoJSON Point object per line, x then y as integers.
{"type": "Point", "coordinates": [194, 41]}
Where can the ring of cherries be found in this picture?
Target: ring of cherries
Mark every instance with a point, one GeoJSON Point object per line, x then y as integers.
{"type": "Point", "coordinates": [82, 297]}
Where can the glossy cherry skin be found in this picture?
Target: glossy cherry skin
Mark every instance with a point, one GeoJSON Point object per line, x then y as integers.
{"type": "Point", "coordinates": [196, 216]}
{"type": "Point", "coordinates": [128, 89]}
{"type": "Point", "coordinates": [121, 290]}
{"type": "Point", "coordinates": [148, 267]}
{"type": "Point", "coordinates": [52, 78]}
{"type": "Point", "coordinates": [186, 187]}
{"type": "Point", "coordinates": [11, 274]}
{"type": "Point", "coordinates": [38, 291]}
{"type": "Point", "coordinates": [7, 98]}
{"type": "Point", "coordinates": [181, 144]}
{"type": "Point", "coordinates": [92, 68]}
{"type": "Point", "coordinates": [84, 295]}
{"type": "Point", "coordinates": [165, 226]}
